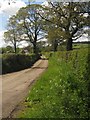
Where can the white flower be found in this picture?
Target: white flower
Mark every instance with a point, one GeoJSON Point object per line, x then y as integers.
{"type": "Point", "coordinates": [36, 91]}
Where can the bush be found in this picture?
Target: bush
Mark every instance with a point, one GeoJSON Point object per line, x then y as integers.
{"type": "Point", "coordinates": [13, 63]}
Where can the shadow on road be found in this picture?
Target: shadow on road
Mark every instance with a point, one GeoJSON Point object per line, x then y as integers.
{"type": "Point", "coordinates": [39, 67]}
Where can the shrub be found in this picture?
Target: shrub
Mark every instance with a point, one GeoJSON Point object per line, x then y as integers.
{"type": "Point", "coordinates": [12, 62]}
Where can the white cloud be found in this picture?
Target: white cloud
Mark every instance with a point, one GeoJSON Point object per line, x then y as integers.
{"type": "Point", "coordinates": [84, 38]}
{"type": "Point", "coordinates": [45, 3]}
{"type": "Point", "coordinates": [2, 43]}
{"type": "Point", "coordinates": [12, 8]}
{"type": "Point", "coordinates": [39, 0]}
{"type": "Point", "coordinates": [69, 0]}
{"type": "Point", "coordinates": [8, 10]}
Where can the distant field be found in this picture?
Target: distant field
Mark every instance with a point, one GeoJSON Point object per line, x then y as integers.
{"type": "Point", "coordinates": [61, 92]}
{"type": "Point", "coordinates": [79, 45]}
{"type": "Point", "coordinates": [75, 46]}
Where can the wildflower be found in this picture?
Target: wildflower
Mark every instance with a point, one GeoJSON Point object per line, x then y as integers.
{"type": "Point", "coordinates": [50, 81]}
{"type": "Point", "coordinates": [36, 91]}
{"type": "Point", "coordinates": [56, 84]}
{"type": "Point", "coordinates": [27, 98]}
{"type": "Point", "coordinates": [47, 96]}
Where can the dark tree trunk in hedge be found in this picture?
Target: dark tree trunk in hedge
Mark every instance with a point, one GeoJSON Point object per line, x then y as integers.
{"type": "Point", "coordinates": [35, 48]}
{"type": "Point", "coordinates": [15, 47]}
{"type": "Point", "coordinates": [35, 44]}
{"type": "Point", "coordinates": [69, 44]}
{"type": "Point", "coordinates": [55, 45]}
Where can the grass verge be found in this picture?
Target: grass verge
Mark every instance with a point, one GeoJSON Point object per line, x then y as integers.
{"type": "Point", "coordinates": [61, 92]}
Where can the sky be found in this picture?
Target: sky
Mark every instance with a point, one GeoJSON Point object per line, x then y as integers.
{"type": "Point", "coordinates": [7, 10]}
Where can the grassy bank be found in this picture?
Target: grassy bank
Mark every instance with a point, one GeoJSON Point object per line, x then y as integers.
{"type": "Point", "coordinates": [61, 92]}
{"type": "Point", "coordinates": [13, 63]}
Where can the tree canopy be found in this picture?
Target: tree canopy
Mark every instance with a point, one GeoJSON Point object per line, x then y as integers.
{"type": "Point", "coordinates": [59, 22]}
{"type": "Point", "coordinates": [69, 17]}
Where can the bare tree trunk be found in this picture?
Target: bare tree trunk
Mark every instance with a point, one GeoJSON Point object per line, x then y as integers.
{"type": "Point", "coordinates": [15, 46]}
{"type": "Point", "coordinates": [35, 44]}
{"type": "Point", "coordinates": [69, 44]}
{"type": "Point", "coordinates": [55, 45]}
{"type": "Point", "coordinates": [34, 48]}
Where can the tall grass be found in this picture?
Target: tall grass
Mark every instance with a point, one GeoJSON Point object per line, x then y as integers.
{"type": "Point", "coordinates": [61, 92]}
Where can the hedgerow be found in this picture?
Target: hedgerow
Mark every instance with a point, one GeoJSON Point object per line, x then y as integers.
{"type": "Point", "coordinates": [12, 62]}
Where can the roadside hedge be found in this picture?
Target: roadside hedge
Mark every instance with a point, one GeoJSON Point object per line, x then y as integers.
{"type": "Point", "coordinates": [13, 63]}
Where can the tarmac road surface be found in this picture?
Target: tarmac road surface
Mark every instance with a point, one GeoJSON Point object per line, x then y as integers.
{"type": "Point", "coordinates": [15, 86]}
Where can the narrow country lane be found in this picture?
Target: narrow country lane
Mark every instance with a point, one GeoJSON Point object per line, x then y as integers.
{"type": "Point", "coordinates": [15, 86]}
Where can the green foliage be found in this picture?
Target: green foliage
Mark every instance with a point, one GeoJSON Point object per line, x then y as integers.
{"type": "Point", "coordinates": [12, 34]}
{"type": "Point", "coordinates": [31, 24]}
{"type": "Point", "coordinates": [66, 21]}
{"type": "Point", "coordinates": [12, 62]}
{"type": "Point", "coordinates": [61, 92]}
{"type": "Point", "coordinates": [58, 22]}
{"type": "Point", "coordinates": [7, 49]}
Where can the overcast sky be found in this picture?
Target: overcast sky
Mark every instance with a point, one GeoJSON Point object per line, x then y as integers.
{"type": "Point", "coordinates": [7, 10]}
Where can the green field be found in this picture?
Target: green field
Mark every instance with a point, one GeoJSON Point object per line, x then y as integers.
{"type": "Point", "coordinates": [80, 45]}
{"type": "Point", "coordinates": [62, 91]}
